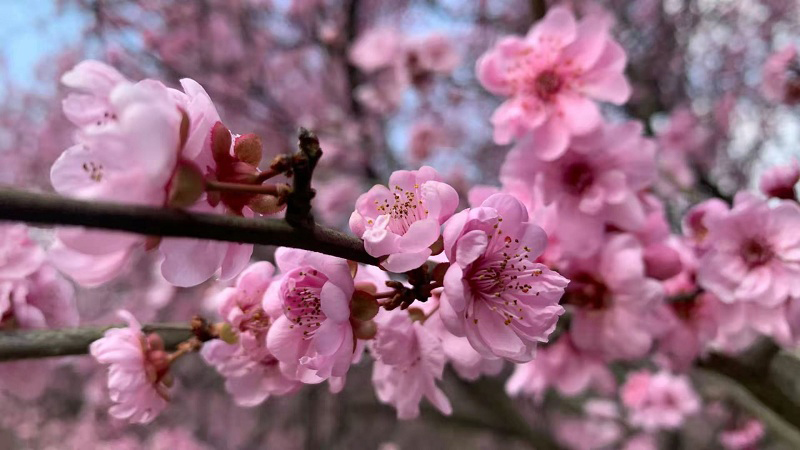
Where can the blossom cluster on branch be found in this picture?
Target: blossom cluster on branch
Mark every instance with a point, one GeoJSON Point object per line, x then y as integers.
{"type": "Point", "coordinates": [572, 271]}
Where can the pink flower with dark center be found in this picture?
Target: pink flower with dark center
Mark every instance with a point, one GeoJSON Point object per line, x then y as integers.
{"type": "Point", "coordinates": [251, 372]}
{"type": "Point", "coordinates": [313, 338]}
{"type": "Point", "coordinates": [402, 221]}
{"type": "Point", "coordinates": [494, 292]}
{"type": "Point", "coordinates": [595, 184]}
{"type": "Point", "coordinates": [612, 300]}
{"type": "Point", "coordinates": [695, 222]}
{"type": "Point", "coordinates": [658, 401]}
{"type": "Point", "coordinates": [754, 253]}
{"type": "Point", "coordinates": [779, 182]}
{"type": "Point", "coordinates": [138, 372]}
{"type": "Point", "coordinates": [552, 76]}
{"type": "Point", "coordinates": [408, 361]}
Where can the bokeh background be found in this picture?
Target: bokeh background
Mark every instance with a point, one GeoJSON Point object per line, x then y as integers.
{"type": "Point", "coordinates": [271, 66]}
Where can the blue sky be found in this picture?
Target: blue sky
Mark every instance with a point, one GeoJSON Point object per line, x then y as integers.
{"type": "Point", "coordinates": [31, 29]}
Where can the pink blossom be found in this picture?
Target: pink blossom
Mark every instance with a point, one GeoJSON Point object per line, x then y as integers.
{"type": "Point", "coordinates": [376, 48]}
{"type": "Point", "coordinates": [402, 221]}
{"type": "Point", "coordinates": [658, 401]}
{"type": "Point", "coordinates": [612, 300]}
{"type": "Point", "coordinates": [313, 339]}
{"type": "Point", "coordinates": [779, 182]}
{"type": "Point", "coordinates": [564, 367]}
{"type": "Point", "coordinates": [432, 53]}
{"type": "Point", "coordinates": [19, 255]}
{"type": "Point", "coordinates": [335, 199]}
{"type": "Point", "coordinates": [690, 325]}
{"type": "Point", "coordinates": [42, 299]}
{"type": "Point", "coordinates": [552, 76]}
{"type": "Point", "coordinates": [780, 77]}
{"type": "Point", "coordinates": [600, 428]}
{"type": "Point", "coordinates": [593, 185]}
{"type": "Point", "coordinates": [138, 367]}
{"type": "Point", "coordinates": [408, 360]}
{"type": "Point", "coordinates": [131, 157]}
{"type": "Point", "coordinates": [251, 373]}
{"type": "Point", "coordinates": [425, 137]}
{"type": "Point", "coordinates": [465, 360]}
{"type": "Point", "coordinates": [695, 222]}
{"type": "Point", "coordinates": [89, 105]}
{"type": "Point", "coordinates": [754, 253]}
{"type": "Point", "coordinates": [494, 292]}
{"type": "Point", "coordinates": [746, 436]}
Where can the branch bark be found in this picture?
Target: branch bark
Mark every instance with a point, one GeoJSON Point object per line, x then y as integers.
{"type": "Point", "coordinates": [56, 210]}
{"type": "Point", "coordinates": [27, 344]}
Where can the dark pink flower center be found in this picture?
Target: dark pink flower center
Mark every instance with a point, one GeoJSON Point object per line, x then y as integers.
{"type": "Point", "coordinates": [756, 253]}
{"type": "Point", "coordinates": [586, 291]}
{"type": "Point", "coordinates": [547, 84]}
{"type": "Point", "coordinates": [301, 303]}
{"type": "Point", "coordinates": [578, 177]}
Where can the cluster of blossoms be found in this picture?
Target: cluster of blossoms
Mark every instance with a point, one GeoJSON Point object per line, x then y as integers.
{"type": "Point", "coordinates": [567, 267]}
{"type": "Point", "coordinates": [33, 295]}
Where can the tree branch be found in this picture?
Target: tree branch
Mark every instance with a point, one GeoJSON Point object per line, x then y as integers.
{"type": "Point", "coordinates": [26, 344]}
{"type": "Point", "coordinates": [56, 210]}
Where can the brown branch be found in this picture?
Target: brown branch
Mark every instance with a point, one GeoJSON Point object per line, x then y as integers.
{"type": "Point", "coordinates": [51, 209]}
{"type": "Point", "coordinates": [26, 344]}
{"type": "Point", "coordinates": [298, 204]}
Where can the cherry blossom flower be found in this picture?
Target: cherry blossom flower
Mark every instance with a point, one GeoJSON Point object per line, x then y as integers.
{"type": "Point", "coordinates": [695, 222]}
{"type": "Point", "coordinates": [612, 300]}
{"type": "Point", "coordinates": [131, 156]}
{"type": "Point", "coordinates": [465, 360]}
{"type": "Point", "coordinates": [781, 77]}
{"type": "Point", "coordinates": [89, 104]}
{"type": "Point", "coordinates": [593, 185]}
{"type": "Point", "coordinates": [779, 182]}
{"type": "Point", "coordinates": [402, 221]}
{"type": "Point", "coordinates": [600, 428]}
{"type": "Point", "coordinates": [19, 255]}
{"type": "Point", "coordinates": [408, 360]}
{"type": "Point", "coordinates": [552, 76]}
{"type": "Point", "coordinates": [658, 400]}
{"type": "Point", "coordinates": [39, 300]}
{"type": "Point", "coordinates": [745, 436]}
{"type": "Point", "coordinates": [754, 253]}
{"type": "Point", "coordinates": [313, 339]}
{"type": "Point", "coordinates": [494, 292]}
{"type": "Point", "coordinates": [251, 373]}
{"type": "Point", "coordinates": [138, 372]}
{"type": "Point", "coordinates": [564, 367]}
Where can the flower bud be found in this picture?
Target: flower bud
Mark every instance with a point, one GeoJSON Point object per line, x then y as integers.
{"type": "Point", "coordinates": [248, 149]}
{"type": "Point", "coordinates": [364, 330]}
{"type": "Point", "coordinates": [364, 306]}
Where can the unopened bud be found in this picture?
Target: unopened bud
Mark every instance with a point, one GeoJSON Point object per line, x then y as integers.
{"type": "Point", "coordinates": [227, 334]}
{"type": "Point", "coordinates": [266, 204]}
{"type": "Point", "coordinates": [364, 330]}
{"type": "Point", "coordinates": [364, 306]}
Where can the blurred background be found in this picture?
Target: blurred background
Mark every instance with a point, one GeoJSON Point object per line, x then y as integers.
{"type": "Point", "coordinates": [273, 65]}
